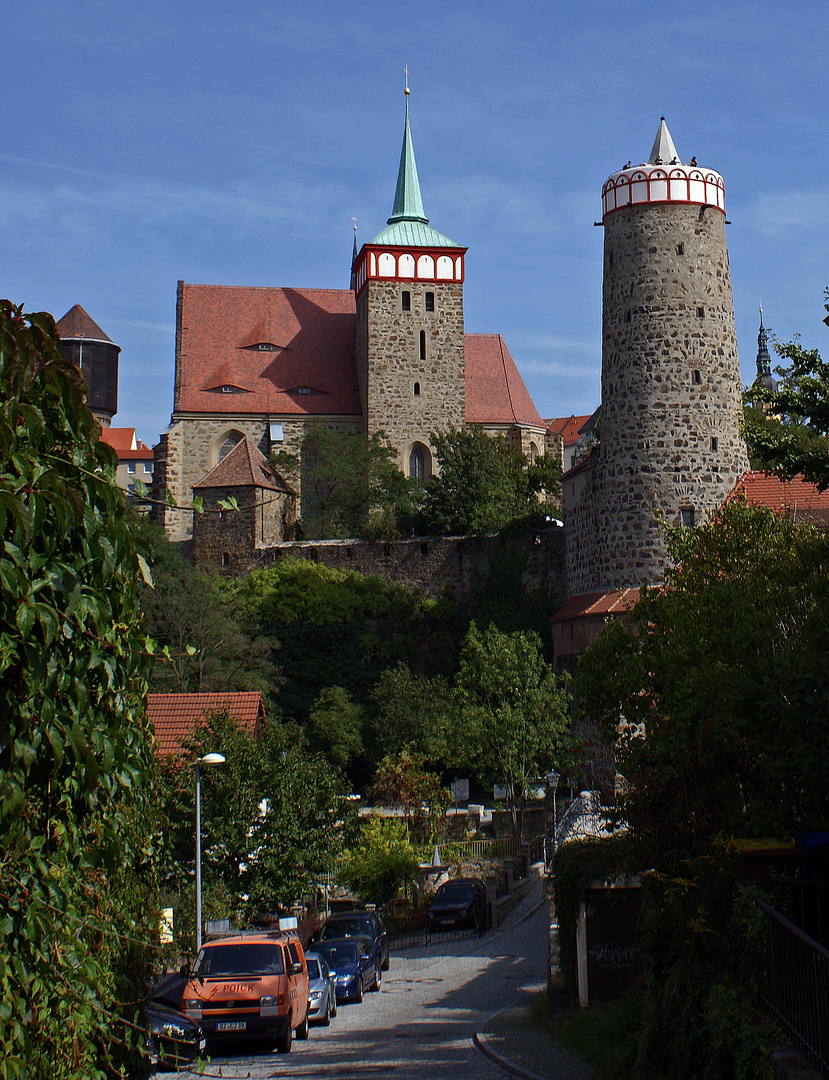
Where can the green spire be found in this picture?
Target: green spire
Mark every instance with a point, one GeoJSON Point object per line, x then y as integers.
{"type": "Point", "coordinates": [408, 203]}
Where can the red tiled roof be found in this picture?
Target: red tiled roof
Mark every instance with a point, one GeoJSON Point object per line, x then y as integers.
{"type": "Point", "coordinates": [125, 444]}
{"type": "Point", "coordinates": [568, 427]}
{"type": "Point", "coordinates": [611, 602]}
{"type": "Point", "coordinates": [313, 329]}
{"type": "Point", "coordinates": [796, 497]}
{"type": "Point", "coordinates": [176, 716]}
{"type": "Point", "coordinates": [495, 392]}
{"type": "Point", "coordinates": [77, 324]}
{"type": "Point", "coordinates": [244, 466]}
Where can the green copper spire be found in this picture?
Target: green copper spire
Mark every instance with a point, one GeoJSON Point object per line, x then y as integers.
{"type": "Point", "coordinates": [408, 203]}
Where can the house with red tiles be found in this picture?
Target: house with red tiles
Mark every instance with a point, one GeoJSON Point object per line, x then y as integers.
{"type": "Point", "coordinates": [135, 458]}
{"type": "Point", "coordinates": [796, 499]}
{"type": "Point", "coordinates": [574, 431]}
{"type": "Point", "coordinates": [388, 354]}
{"type": "Point", "coordinates": [176, 717]}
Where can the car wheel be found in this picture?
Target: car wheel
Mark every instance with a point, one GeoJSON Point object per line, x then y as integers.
{"type": "Point", "coordinates": [326, 1020]}
{"type": "Point", "coordinates": [386, 962]}
{"type": "Point", "coordinates": [358, 997]}
{"type": "Point", "coordinates": [333, 1005]}
{"type": "Point", "coordinates": [375, 985]}
{"type": "Point", "coordinates": [283, 1041]}
{"type": "Point", "coordinates": [302, 1030]}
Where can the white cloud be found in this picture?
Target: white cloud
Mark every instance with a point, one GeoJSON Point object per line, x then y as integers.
{"type": "Point", "coordinates": [777, 213]}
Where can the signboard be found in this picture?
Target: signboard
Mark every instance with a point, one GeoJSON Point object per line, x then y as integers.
{"type": "Point", "coordinates": [460, 790]}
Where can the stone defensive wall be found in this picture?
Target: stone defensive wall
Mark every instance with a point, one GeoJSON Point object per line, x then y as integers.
{"type": "Point", "coordinates": [429, 562]}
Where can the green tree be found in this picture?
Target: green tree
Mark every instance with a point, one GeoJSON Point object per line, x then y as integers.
{"type": "Point", "coordinates": [194, 620]}
{"type": "Point", "coordinates": [272, 823]}
{"type": "Point", "coordinates": [413, 713]}
{"type": "Point", "coordinates": [351, 485]}
{"type": "Point", "coordinates": [482, 484]}
{"type": "Point", "coordinates": [513, 713]}
{"type": "Point", "coordinates": [77, 817]}
{"type": "Point", "coordinates": [382, 862]}
{"type": "Point", "coordinates": [790, 433]}
{"type": "Point", "coordinates": [335, 726]}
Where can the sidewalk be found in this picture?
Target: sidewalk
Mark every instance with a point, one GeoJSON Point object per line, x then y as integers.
{"type": "Point", "coordinates": [509, 1037]}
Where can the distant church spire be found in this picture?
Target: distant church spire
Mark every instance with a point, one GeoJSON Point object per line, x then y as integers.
{"type": "Point", "coordinates": [764, 375]}
{"type": "Point", "coordinates": [408, 204]}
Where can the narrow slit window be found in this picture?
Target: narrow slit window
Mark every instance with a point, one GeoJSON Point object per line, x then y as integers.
{"type": "Point", "coordinates": [696, 378]}
{"type": "Point", "coordinates": [715, 444]}
{"type": "Point", "coordinates": [406, 300]}
{"type": "Point", "coordinates": [680, 249]}
{"type": "Point", "coordinates": [430, 301]}
{"type": "Point", "coordinates": [422, 344]}
{"type": "Point", "coordinates": [417, 389]}
{"type": "Point", "coordinates": [700, 312]}
{"type": "Point", "coordinates": [628, 315]}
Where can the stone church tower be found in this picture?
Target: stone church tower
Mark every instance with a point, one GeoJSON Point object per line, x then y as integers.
{"type": "Point", "coordinates": [410, 334]}
{"type": "Point", "coordinates": [670, 446]}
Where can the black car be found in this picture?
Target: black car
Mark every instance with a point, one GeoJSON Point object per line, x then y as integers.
{"type": "Point", "coordinates": [367, 924]}
{"type": "Point", "coordinates": [173, 1038]}
{"type": "Point", "coordinates": [458, 904]}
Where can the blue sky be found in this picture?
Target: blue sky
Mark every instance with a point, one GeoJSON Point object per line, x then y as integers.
{"type": "Point", "coordinates": [232, 143]}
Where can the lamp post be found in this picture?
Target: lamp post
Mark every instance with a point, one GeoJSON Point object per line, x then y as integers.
{"type": "Point", "coordinates": [208, 759]}
{"type": "Point", "coordinates": [552, 779]}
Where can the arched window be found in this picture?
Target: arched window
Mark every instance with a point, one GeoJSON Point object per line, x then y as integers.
{"type": "Point", "coordinates": [417, 464]}
{"type": "Point", "coordinates": [417, 389]}
{"type": "Point", "coordinates": [233, 438]}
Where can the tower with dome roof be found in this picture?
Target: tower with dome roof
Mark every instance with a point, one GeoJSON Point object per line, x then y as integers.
{"type": "Point", "coordinates": [670, 445]}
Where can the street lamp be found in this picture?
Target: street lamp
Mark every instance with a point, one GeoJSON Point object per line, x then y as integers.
{"type": "Point", "coordinates": [208, 759]}
{"type": "Point", "coordinates": [552, 779]}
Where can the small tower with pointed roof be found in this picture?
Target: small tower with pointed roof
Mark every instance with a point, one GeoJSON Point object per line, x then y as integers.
{"type": "Point", "coordinates": [670, 445]}
{"type": "Point", "coordinates": [84, 343]}
{"type": "Point", "coordinates": [764, 375]}
{"type": "Point", "coordinates": [408, 283]}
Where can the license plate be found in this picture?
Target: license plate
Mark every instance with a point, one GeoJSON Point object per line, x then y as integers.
{"type": "Point", "coordinates": [447, 922]}
{"type": "Point", "coordinates": [231, 1025]}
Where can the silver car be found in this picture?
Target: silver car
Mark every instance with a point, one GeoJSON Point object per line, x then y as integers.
{"type": "Point", "coordinates": [322, 996]}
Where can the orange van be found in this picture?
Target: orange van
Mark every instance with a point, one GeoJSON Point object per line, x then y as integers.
{"type": "Point", "coordinates": [252, 985]}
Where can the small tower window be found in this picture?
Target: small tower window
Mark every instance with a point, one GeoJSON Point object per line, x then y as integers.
{"type": "Point", "coordinates": [680, 249]}
{"type": "Point", "coordinates": [687, 516]}
{"type": "Point", "coordinates": [700, 312]}
{"type": "Point", "coordinates": [696, 378]}
{"type": "Point", "coordinates": [651, 250]}
{"type": "Point", "coordinates": [417, 389]}
{"type": "Point", "coordinates": [628, 315]}
{"type": "Point", "coordinates": [406, 300]}
{"type": "Point", "coordinates": [715, 444]}
{"type": "Point", "coordinates": [422, 344]}
{"type": "Point", "coordinates": [430, 301]}
{"type": "Point", "coordinates": [416, 464]}
{"type": "Point", "coordinates": [225, 560]}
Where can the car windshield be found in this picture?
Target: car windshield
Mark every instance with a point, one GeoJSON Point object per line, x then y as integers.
{"type": "Point", "coordinates": [347, 928]}
{"type": "Point", "coordinates": [341, 952]}
{"type": "Point", "coordinates": [313, 969]}
{"type": "Point", "coordinates": [454, 892]}
{"type": "Point", "coordinates": [240, 958]}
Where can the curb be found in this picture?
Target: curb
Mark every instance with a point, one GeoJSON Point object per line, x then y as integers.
{"type": "Point", "coordinates": [481, 1040]}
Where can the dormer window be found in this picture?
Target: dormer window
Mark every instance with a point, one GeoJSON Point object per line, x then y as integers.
{"type": "Point", "coordinates": [264, 346]}
{"type": "Point", "coordinates": [304, 390]}
{"type": "Point", "coordinates": [227, 389]}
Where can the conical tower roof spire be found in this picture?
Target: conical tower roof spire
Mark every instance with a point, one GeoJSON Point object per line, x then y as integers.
{"type": "Point", "coordinates": [664, 151]}
{"type": "Point", "coordinates": [408, 203]}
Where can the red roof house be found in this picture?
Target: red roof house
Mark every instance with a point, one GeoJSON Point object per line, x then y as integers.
{"type": "Point", "coordinates": [796, 498]}
{"type": "Point", "coordinates": [176, 717]}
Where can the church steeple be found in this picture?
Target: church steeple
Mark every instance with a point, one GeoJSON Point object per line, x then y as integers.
{"type": "Point", "coordinates": [408, 203]}
{"type": "Point", "coordinates": [764, 375]}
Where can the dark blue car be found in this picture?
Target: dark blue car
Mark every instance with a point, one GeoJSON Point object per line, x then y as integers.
{"type": "Point", "coordinates": [354, 965]}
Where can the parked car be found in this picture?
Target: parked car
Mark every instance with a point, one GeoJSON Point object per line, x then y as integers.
{"type": "Point", "coordinates": [250, 986]}
{"type": "Point", "coordinates": [457, 904]}
{"type": "Point", "coordinates": [368, 924]}
{"type": "Point", "coordinates": [322, 992]}
{"type": "Point", "coordinates": [353, 962]}
{"type": "Point", "coordinates": [173, 1039]}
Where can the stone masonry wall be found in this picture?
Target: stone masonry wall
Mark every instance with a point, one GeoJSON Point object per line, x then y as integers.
{"type": "Point", "coordinates": [219, 536]}
{"type": "Point", "coordinates": [428, 563]}
{"type": "Point", "coordinates": [389, 361]}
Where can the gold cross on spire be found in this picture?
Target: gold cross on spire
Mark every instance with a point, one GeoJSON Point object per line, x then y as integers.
{"type": "Point", "coordinates": [406, 90]}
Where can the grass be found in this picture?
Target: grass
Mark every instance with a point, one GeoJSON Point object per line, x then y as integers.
{"type": "Point", "coordinates": [603, 1036]}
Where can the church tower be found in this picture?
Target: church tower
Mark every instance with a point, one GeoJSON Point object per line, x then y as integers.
{"type": "Point", "coordinates": [410, 333]}
{"type": "Point", "coordinates": [670, 445]}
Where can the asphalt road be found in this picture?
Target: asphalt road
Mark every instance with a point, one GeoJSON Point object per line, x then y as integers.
{"type": "Point", "coordinates": [420, 1025]}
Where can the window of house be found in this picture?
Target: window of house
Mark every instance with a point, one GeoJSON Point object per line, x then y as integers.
{"type": "Point", "coordinates": [265, 346]}
{"type": "Point", "coordinates": [305, 390]}
{"type": "Point", "coordinates": [227, 389]}
{"type": "Point", "coordinates": [430, 301]}
{"type": "Point", "coordinates": [687, 516]}
{"type": "Point", "coordinates": [628, 315]}
{"type": "Point", "coordinates": [416, 464]}
{"type": "Point", "coordinates": [225, 559]}
{"type": "Point", "coordinates": [130, 467]}
{"type": "Point", "coordinates": [700, 312]}
{"type": "Point", "coordinates": [680, 249]}
{"type": "Point", "coordinates": [417, 389]}
{"type": "Point", "coordinates": [148, 466]}
{"type": "Point", "coordinates": [422, 344]}
{"type": "Point", "coordinates": [406, 300]}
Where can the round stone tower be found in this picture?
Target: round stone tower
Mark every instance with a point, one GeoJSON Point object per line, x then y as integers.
{"type": "Point", "coordinates": [671, 449]}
